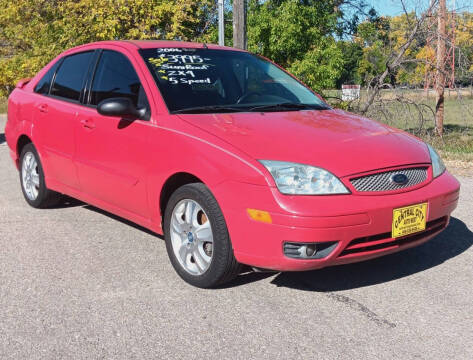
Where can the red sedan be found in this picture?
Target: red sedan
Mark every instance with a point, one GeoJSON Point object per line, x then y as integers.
{"type": "Point", "coordinates": [231, 158]}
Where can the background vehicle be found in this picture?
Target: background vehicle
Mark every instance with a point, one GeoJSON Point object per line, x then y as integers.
{"type": "Point", "coordinates": [233, 159]}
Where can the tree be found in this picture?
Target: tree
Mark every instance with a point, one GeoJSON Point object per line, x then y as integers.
{"type": "Point", "coordinates": [397, 57]}
{"type": "Point", "coordinates": [373, 36]}
{"type": "Point", "coordinates": [352, 53]}
{"type": "Point", "coordinates": [440, 70]}
{"type": "Point", "coordinates": [321, 66]}
{"type": "Point", "coordinates": [464, 41]}
{"type": "Point", "coordinates": [33, 32]}
{"type": "Point", "coordinates": [297, 35]}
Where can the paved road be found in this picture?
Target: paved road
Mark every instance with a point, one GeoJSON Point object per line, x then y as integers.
{"type": "Point", "coordinates": [79, 283]}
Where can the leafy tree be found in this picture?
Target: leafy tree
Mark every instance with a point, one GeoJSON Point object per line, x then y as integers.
{"type": "Point", "coordinates": [321, 66]}
{"type": "Point", "coordinates": [297, 35]}
{"type": "Point", "coordinates": [426, 61]}
{"type": "Point", "coordinates": [33, 32]}
{"type": "Point", "coordinates": [464, 42]}
{"type": "Point", "coordinates": [352, 53]}
{"type": "Point", "coordinates": [285, 30]}
{"type": "Point", "coordinates": [372, 36]}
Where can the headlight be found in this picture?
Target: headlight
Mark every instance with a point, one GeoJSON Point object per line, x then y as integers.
{"type": "Point", "coordinates": [438, 166]}
{"type": "Point", "coordinates": [292, 178]}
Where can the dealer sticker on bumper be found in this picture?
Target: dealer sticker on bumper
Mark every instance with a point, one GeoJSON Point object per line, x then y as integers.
{"type": "Point", "coordinates": [408, 220]}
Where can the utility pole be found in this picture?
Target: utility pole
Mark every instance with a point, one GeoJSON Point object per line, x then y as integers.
{"type": "Point", "coordinates": [239, 24]}
{"type": "Point", "coordinates": [441, 55]}
{"type": "Point", "coordinates": [221, 23]}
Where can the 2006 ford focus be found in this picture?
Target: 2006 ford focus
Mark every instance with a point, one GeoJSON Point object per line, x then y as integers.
{"type": "Point", "coordinates": [227, 155]}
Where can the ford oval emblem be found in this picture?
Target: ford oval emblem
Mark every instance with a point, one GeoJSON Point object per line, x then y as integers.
{"type": "Point", "coordinates": [399, 179]}
{"type": "Point", "coordinates": [190, 237]}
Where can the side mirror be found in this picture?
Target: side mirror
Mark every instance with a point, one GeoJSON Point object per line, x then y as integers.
{"type": "Point", "coordinates": [121, 106]}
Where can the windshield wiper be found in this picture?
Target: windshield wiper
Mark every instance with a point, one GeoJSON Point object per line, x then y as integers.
{"type": "Point", "coordinates": [268, 107]}
{"type": "Point", "coordinates": [288, 106]}
{"type": "Point", "coordinates": [207, 109]}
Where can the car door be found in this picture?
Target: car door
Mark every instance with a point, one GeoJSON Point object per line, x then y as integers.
{"type": "Point", "coordinates": [111, 157]}
{"type": "Point", "coordinates": [56, 109]}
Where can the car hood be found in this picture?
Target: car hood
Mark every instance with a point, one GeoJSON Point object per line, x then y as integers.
{"type": "Point", "coordinates": [338, 141]}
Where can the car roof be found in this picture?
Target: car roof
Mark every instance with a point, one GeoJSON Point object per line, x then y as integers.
{"type": "Point", "coordinates": [149, 44]}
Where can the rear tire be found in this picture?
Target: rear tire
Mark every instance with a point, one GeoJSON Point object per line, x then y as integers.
{"type": "Point", "coordinates": [201, 257]}
{"type": "Point", "coordinates": [32, 181]}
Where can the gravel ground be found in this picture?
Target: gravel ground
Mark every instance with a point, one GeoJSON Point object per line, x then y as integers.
{"type": "Point", "coordinates": [76, 282]}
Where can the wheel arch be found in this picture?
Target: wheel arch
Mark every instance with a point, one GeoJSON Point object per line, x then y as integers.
{"type": "Point", "coordinates": [171, 184]}
{"type": "Point", "coordinates": [22, 141]}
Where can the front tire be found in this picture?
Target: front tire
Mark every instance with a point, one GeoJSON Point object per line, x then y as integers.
{"type": "Point", "coordinates": [197, 239]}
{"type": "Point", "coordinates": [32, 181]}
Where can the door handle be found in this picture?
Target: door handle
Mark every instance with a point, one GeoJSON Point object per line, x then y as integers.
{"type": "Point", "coordinates": [43, 108]}
{"type": "Point", "coordinates": [87, 124]}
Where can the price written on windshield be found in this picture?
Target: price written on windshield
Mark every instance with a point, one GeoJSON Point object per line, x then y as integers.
{"type": "Point", "coordinates": [181, 68]}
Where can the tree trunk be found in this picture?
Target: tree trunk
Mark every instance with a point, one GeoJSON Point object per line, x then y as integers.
{"type": "Point", "coordinates": [440, 76]}
{"type": "Point", "coordinates": [239, 24]}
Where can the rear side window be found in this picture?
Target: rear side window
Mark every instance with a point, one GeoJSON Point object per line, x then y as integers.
{"type": "Point", "coordinates": [116, 77]}
{"type": "Point", "coordinates": [70, 77]}
{"type": "Point", "coordinates": [45, 83]}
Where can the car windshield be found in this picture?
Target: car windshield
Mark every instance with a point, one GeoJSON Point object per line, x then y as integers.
{"type": "Point", "coordinates": [206, 80]}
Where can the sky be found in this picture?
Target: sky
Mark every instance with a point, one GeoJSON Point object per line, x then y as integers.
{"type": "Point", "coordinates": [386, 7]}
{"type": "Point", "coordinates": [394, 7]}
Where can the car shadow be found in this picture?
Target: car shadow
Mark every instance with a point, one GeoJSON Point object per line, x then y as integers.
{"type": "Point", "coordinates": [67, 202]}
{"type": "Point", "coordinates": [2, 138]}
{"type": "Point", "coordinates": [122, 220]}
{"type": "Point", "coordinates": [247, 276]}
{"type": "Point", "coordinates": [453, 241]}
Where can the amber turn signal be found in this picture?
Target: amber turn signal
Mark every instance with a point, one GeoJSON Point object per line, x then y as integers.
{"type": "Point", "coordinates": [260, 215]}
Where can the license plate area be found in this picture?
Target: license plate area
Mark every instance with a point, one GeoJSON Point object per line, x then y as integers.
{"type": "Point", "coordinates": [409, 220]}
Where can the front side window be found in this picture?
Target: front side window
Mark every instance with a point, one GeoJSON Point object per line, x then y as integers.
{"type": "Point", "coordinates": [70, 76]}
{"type": "Point", "coordinates": [116, 77]}
{"type": "Point", "coordinates": [210, 80]}
{"type": "Point", "coordinates": [45, 83]}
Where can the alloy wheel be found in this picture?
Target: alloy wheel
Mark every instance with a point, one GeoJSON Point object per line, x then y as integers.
{"type": "Point", "coordinates": [191, 237]}
{"type": "Point", "coordinates": [30, 176]}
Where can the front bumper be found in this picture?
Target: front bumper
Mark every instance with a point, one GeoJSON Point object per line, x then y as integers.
{"type": "Point", "coordinates": [360, 225]}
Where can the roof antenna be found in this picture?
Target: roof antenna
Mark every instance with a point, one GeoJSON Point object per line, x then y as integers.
{"type": "Point", "coordinates": [205, 46]}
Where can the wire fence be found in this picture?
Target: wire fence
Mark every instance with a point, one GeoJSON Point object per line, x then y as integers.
{"type": "Point", "coordinates": [413, 109]}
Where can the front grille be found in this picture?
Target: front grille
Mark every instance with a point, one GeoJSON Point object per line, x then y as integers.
{"type": "Point", "coordinates": [382, 242]}
{"type": "Point", "coordinates": [382, 181]}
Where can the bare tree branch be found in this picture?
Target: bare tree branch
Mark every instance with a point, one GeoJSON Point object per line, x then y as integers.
{"type": "Point", "coordinates": [396, 59]}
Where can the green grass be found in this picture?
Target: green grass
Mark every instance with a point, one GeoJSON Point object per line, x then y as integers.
{"type": "Point", "coordinates": [456, 140]}
{"type": "Point", "coordinates": [3, 105]}
{"type": "Point", "coordinates": [458, 124]}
